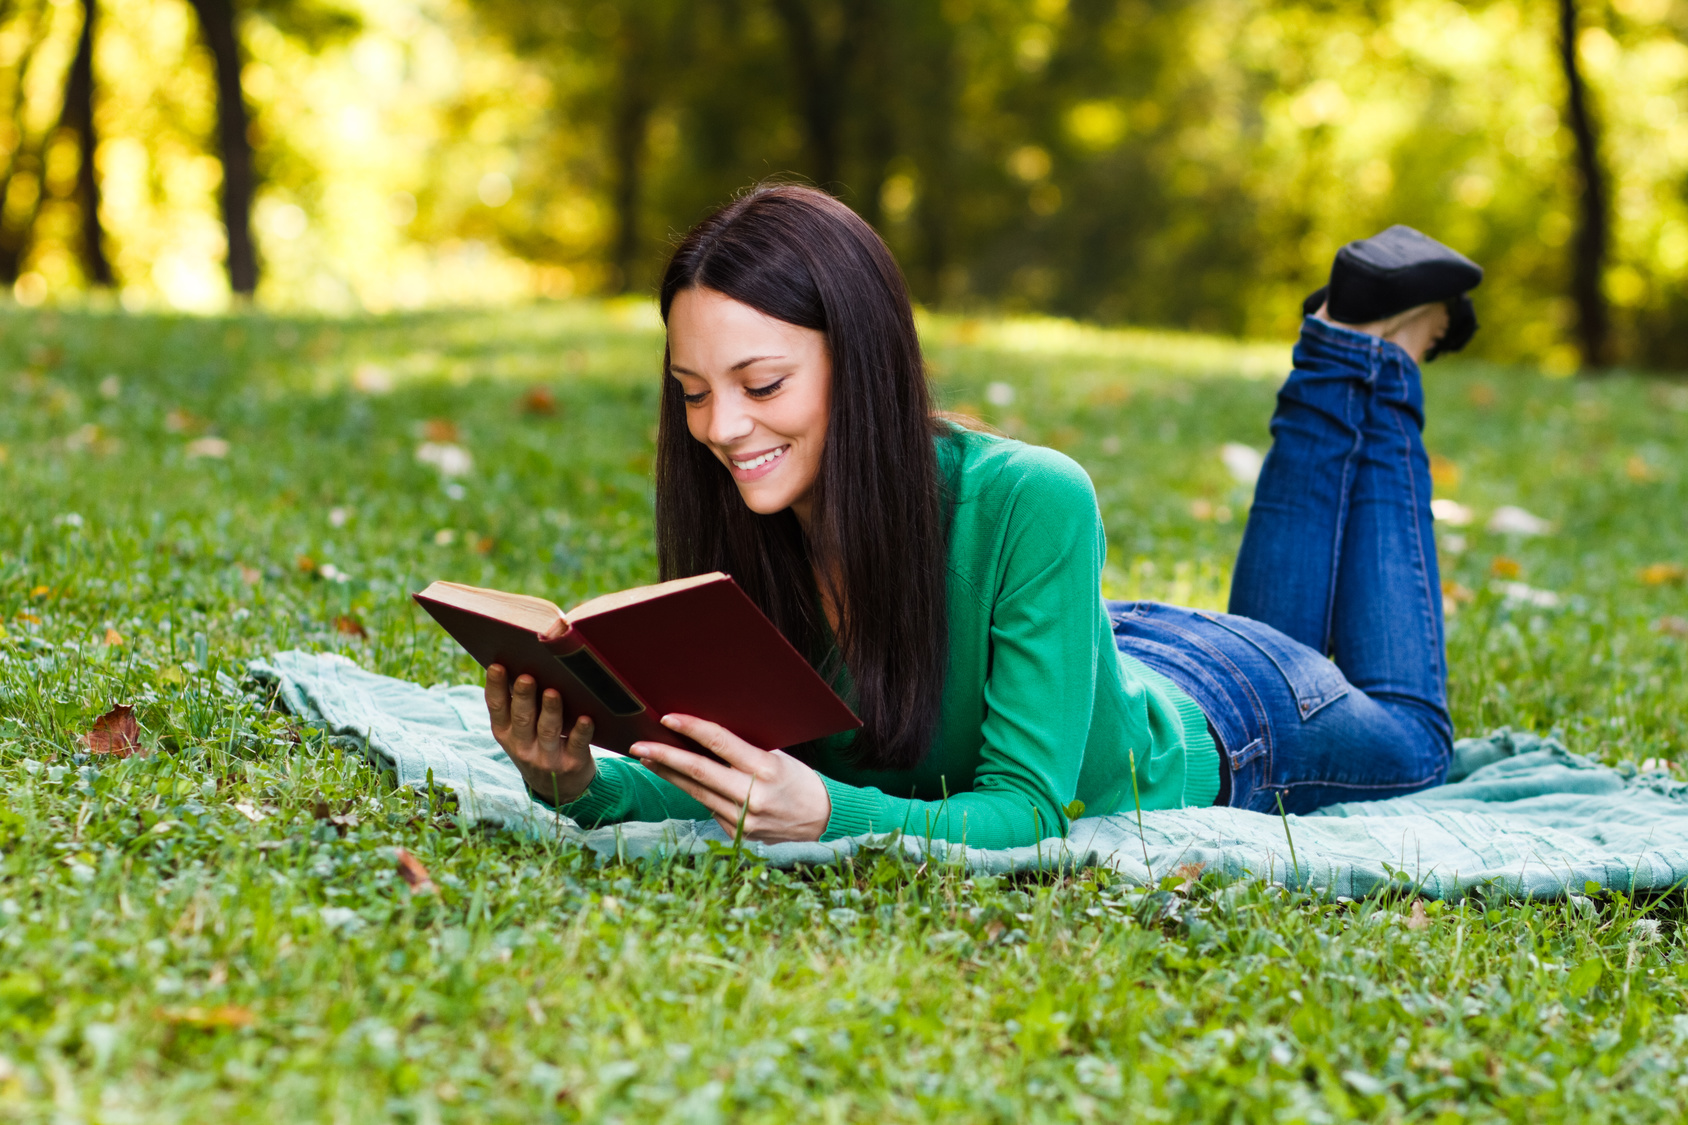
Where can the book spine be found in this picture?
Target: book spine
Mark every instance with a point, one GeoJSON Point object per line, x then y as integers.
{"type": "Point", "coordinates": [568, 644]}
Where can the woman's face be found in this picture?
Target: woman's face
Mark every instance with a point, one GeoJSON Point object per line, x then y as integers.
{"type": "Point", "coordinates": [757, 394]}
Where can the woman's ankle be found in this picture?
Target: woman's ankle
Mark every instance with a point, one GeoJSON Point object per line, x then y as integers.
{"type": "Point", "coordinates": [1414, 331]}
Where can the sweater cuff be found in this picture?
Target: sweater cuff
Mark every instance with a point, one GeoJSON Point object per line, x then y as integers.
{"type": "Point", "coordinates": [852, 810]}
{"type": "Point", "coordinates": [601, 800]}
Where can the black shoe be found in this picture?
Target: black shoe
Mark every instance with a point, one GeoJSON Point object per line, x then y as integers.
{"type": "Point", "coordinates": [1400, 269]}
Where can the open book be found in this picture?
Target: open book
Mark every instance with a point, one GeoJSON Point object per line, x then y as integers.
{"type": "Point", "coordinates": [693, 646]}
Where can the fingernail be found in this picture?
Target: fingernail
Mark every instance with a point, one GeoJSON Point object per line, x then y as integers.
{"type": "Point", "coordinates": [672, 722]}
{"type": "Point", "coordinates": [639, 750]}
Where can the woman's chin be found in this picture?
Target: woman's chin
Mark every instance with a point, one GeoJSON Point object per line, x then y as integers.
{"type": "Point", "coordinates": [765, 501]}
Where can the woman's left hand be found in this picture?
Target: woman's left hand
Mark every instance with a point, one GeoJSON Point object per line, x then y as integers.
{"type": "Point", "coordinates": [778, 797]}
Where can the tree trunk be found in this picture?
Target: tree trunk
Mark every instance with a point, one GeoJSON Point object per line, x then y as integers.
{"type": "Point", "coordinates": [631, 121]}
{"type": "Point", "coordinates": [25, 159]}
{"type": "Point", "coordinates": [217, 20]}
{"type": "Point", "coordinates": [78, 117]}
{"type": "Point", "coordinates": [822, 76]}
{"type": "Point", "coordinates": [1588, 249]}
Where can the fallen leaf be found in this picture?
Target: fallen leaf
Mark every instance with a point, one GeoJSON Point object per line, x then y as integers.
{"type": "Point", "coordinates": [1453, 596]}
{"type": "Point", "coordinates": [485, 544]}
{"type": "Point", "coordinates": [1444, 472]}
{"type": "Point", "coordinates": [994, 930]}
{"type": "Point", "coordinates": [305, 563]}
{"type": "Point", "coordinates": [29, 618]}
{"type": "Point", "coordinates": [113, 637]}
{"type": "Point", "coordinates": [40, 591]}
{"type": "Point", "coordinates": [451, 460]}
{"type": "Point", "coordinates": [223, 1015]}
{"type": "Point", "coordinates": [538, 400]}
{"type": "Point", "coordinates": [214, 447]}
{"type": "Point", "coordinates": [1512, 520]}
{"type": "Point", "coordinates": [1452, 513]}
{"type": "Point", "coordinates": [413, 873]}
{"type": "Point", "coordinates": [249, 811]}
{"type": "Point", "coordinates": [1503, 567]}
{"type": "Point", "coordinates": [1661, 573]}
{"type": "Point", "coordinates": [343, 818]}
{"type": "Point", "coordinates": [372, 379]}
{"type": "Point", "coordinates": [1482, 395]}
{"type": "Point", "coordinates": [440, 430]}
{"type": "Point", "coordinates": [1189, 873]}
{"type": "Point", "coordinates": [350, 626]}
{"type": "Point", "coordinates": [250, 575]}
{"type": "Point", "coordinates": [1201, 509]}
{"type": "Point", "coordinates": [183, 422]}
{"type": "Point", "coordinates": [1672, 626]}
{"type": "Point", "coordinates": [1243, 462]}
{"type": "Point", "coordinates": [1638, 470]}
{"type": "Point", "coordinates": [116, 732]}
{"type": "Point", "coordinates": [1418, 919]}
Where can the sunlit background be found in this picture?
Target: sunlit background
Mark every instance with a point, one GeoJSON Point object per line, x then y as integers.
{"type": "Point", "coordinates": [1187, 163]}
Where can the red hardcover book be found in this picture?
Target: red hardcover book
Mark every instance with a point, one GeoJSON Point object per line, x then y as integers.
{"type": "Point", "coordinates": [693, 646]}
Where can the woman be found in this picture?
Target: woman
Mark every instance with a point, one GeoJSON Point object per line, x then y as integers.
{"type": "Point", "coordinates": [948, 581]}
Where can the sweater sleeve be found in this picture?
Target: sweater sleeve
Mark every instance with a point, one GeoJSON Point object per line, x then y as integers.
{"type": "Point", "coordinates": [1041, 686]}
{"type": "Point", "coordinates": [625, 790]}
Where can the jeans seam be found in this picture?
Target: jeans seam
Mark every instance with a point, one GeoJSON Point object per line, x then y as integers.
{"type": "Point", "coordinates": [1427, 607]}
{"type": "Point", "coordinates": [1260, 717]}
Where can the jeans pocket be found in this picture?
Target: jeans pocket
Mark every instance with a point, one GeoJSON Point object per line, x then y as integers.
{"type": "Point", "coordinates": [1313, 680]}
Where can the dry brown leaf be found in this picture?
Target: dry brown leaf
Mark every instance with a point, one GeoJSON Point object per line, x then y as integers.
{"type": "Point", "coordinates": [413, 873]}
{"type": "Point", "coordinates": [1418, 919]}
{"type": "Point", "coordinates": [350, 626]}
{"type": "Point", "coordinates": [440, 429]}
{"type": "Point", "coordinates": [539, 400]}
{"type": "Point", "coordinates": [1504, 567]}
{"type": "Point", "coordinates": [484, 545]}
{"type": "Point", "coordinates": [116, 732]}
{"type": "Point", "coordinates": [1660, 574]}
{"type": "Point", "coordinates": [1189, 874]}
{"type": "Point", "coordinates": [223, 1015]}
{"type": "Point", "coordinates": [1443, 471]}
{"type": "Point", "coordinates": [113, 637]}
{"type": "Point", "coordinates": [305, 563]}
{"type": "Point", "coordinates": [1672, 626]}
{"type": "Point", "coordinates": [994, 930]}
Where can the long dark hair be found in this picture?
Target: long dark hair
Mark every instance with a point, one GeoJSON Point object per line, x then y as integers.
{"type": "Point", "coordinates": [877, 532]}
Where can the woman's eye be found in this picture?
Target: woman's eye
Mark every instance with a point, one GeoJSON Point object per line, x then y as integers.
{"type": "Point", "coordinates": [693, 400]}
{"type": "Point", "coordinates": [764, 392]}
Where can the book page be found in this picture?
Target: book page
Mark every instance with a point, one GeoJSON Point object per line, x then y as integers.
{"type": "Point", "coordinates": [528, 612]}
{"type": "Point", "coordinates": [607, 602]}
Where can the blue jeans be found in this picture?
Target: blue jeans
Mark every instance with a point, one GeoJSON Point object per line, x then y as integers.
{"type": "Point", "coordinates": [1327, 681]}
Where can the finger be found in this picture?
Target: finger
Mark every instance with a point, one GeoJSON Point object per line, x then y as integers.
{"type": "Point", "coordinates": [720, 741]}
{"type": "Point", "coordinates": [498, 695]}
{"type": "Point", "coordinates": [731, 784]}
{"type": "Point", "coordinates": [725, 811]}
{"type": "Point", "coordinates": [550, 725]}
{"type": "Point", "coordinates": [522, 709]}
{"type": "Point", "coordinates": [580, 737]}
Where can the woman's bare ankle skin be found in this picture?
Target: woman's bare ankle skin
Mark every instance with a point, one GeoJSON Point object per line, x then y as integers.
{"type": "Point", "coordinates": [1414, 331]}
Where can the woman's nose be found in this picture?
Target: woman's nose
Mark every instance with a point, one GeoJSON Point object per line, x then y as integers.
{"type": "Point", "coordinates": [729, 423]}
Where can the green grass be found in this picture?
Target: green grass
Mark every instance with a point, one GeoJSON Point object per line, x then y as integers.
{"type": "Point", "coordinates": [166, 956]}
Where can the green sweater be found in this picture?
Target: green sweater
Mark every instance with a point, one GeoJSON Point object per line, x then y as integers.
{"type": "Point", "coordinates": [1039, 706]}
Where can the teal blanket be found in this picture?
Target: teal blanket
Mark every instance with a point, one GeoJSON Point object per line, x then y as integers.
{"type": "Point", "coordinates": [1521, 814]}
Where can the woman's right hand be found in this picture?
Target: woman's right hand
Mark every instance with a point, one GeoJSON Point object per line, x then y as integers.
{"type": "Point", "coordinates": [529, 727]}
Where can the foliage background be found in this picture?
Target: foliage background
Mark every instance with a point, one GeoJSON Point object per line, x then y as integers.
{"type": "Point", "coordinates": [1186, 163]}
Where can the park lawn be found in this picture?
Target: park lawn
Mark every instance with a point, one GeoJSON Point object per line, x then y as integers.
{"type": "Point", "coordinates": [216, 930]}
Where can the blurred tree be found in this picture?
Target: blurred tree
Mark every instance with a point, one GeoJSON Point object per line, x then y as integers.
{"type": "Point", "coordinates": [79, 120]}
{"type": "Point", "coordinates": [1588, 256]}
{"type": "Point", "coordinates": [217, 21]}
{"type": "Point", "coordinates": [21, 176]}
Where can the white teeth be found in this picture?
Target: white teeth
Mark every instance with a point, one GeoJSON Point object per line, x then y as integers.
{"type": "Point", "coordinates": [762, 460]}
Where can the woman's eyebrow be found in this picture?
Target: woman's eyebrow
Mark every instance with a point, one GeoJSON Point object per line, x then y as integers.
{"type": "Point", "coordinates": [739, 366]}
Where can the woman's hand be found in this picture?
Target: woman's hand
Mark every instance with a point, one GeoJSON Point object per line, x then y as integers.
{"type": "Point", "coordinates": [530, 728]}
{"type": "Point", "coordinates": [778, 797]}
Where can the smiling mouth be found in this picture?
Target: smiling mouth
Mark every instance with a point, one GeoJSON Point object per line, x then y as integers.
{"type": "Point", "coordinates": [759, 460]}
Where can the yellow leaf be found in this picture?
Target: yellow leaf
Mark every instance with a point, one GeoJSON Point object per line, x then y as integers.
{"type": "Point", "coordinates": [30, 618]}
{"type": "Point", "coordinates": [1504, 567]}
{"type": "Point", "coordinates": [40, 591]}
{"type": "Point", "coordinates": [1637, 469]}
{"type": "Point", "coordinates": [1660, 574]}
{"type": "Point", "coordinates": [1444, 472]}
{"type": "Point", "coordinates": [113, 637]}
